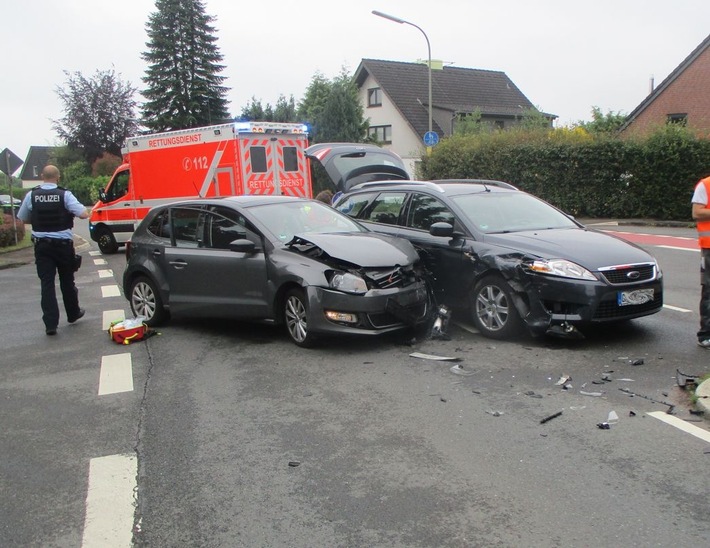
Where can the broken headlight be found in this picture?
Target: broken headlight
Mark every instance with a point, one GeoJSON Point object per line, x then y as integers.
{"type": "Point", "coordinates": [346, 282]}
{"type": "Point", "coordinates": [560, 267]}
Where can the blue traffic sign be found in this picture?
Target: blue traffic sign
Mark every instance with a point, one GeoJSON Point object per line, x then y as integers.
{"type": "Point", "coordinates": [431, 138]}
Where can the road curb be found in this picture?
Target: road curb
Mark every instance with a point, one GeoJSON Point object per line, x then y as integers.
{"type": "Point", "coordinates": [702, 393]}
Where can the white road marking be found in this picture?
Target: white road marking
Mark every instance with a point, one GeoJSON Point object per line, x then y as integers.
{"type": "Point", "coordinates": [100, 261]}
{"type": "Point", "coordinates": [111, 316]}
{"type": "Point", "coordinates": [116, 374]}
{"type": "Point", "coordinates": [105, 273]}
{"type": "Point", "coordinates": [110, 291]}
{"type": "Point", "coordinates": [681, 425]}
{"type": "Point", "coordinates": [94, 253]}
{"type": "Point", "coordinates": [110, 502]}
{"type": "Point", "coordinates": [676, 308]}
{"type": "Point", "coordinates": [678, 248]}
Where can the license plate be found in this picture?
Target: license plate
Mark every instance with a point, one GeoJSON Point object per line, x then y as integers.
{"type": "Point", "coordinates": [637, 296]}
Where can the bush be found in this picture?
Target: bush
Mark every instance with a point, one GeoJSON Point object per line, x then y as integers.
{"type": "Point", "coordinates": [7, 233]}
{"type": "Point", "coordinates": [86, 189]}
{"type": "Point", "coordinates": [594, 175]}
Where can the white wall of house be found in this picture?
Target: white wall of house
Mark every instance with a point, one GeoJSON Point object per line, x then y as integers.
{"type": "Point", "coordinates": [405, 141]}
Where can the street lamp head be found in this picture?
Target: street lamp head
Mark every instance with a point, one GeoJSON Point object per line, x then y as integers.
{"type": "Point", "coordinates": [390, 17]}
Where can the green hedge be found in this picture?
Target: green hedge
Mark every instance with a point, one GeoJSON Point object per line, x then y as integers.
{"type": "Point", "coordinates": [583, 174]}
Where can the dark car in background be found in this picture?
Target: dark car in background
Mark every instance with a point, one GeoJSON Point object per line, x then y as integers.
{"type": "Point", "coordinates": [349, 164]}
{"type": "Point", "coordinates": [273, 259]}
{"type": "Point", "coordinates": [509, 258]}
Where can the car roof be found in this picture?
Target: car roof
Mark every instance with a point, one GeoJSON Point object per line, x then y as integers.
{"type": "Point", "coordinates": [450, 187]}
{"type": "Point", "coordinates": [245, 200]}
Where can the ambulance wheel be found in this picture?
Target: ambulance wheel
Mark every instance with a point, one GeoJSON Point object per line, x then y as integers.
{"type": "Point", "coordinates": [107, 243]}
{"type": "Point", "coordinates": [296, 318]}
{"type": "Point", "coordinates": [146, 301]}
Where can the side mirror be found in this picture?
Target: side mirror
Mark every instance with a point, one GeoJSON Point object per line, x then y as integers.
{"type": "Point", "coordinates": [442, 229]}
{"type": "Point", "coordinates": [102, 196]}
{"type": "Point", "coordinates": [242, 245]}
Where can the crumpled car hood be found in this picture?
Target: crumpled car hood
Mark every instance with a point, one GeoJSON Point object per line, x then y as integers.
{"type": "Point", "coordinates": [368, 250]}
{"type": "Point", "coordinates": [588, 248]}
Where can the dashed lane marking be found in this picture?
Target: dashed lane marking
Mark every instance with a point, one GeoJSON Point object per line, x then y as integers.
{"type": "Point", "coordinates": [105, 273]}
{"type": "Point", "coordinates": [110, 503]}
{"type": "Point", "coordinates": [94, 253]}
{"type": "Point", "coordinates": [111, 316]}
{"type": "Point", "coordinates": [110, 291]}
{"type": "Point", "coordinates": [98, 262]}
{"type": "Point", "coordinates": [116, 374]}
{"type": "Point", "coordinates": [681, 425]}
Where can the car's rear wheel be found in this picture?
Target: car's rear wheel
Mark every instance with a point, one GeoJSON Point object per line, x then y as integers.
{"type": "Point", "coordinates": [106, 241]}
{"type": "Point", "coordinates": [493, 310]}
{"type": "Point", "coordinates": [146, 301]}
{"type": "Point", "coordinates": [295, 313]}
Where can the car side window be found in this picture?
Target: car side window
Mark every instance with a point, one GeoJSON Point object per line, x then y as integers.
{"type": "Point", "coordinates": [160, 225]}
{"type": "Point", "coordinates": [224, 225]}
{"type": "Point", "coordinates": [186, 227]}
{"type": "Point", "coordinates": [385, 209]}
{"type": "Point", "coordinates": [425, 210]}
{"type": "Point", "coordinates": [353, 205]}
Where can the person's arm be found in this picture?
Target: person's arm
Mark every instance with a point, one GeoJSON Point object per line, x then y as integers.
{"type": "Point", "coordinates": [701, 212]}
{"type": "Point", "coordinates": [73, 205]}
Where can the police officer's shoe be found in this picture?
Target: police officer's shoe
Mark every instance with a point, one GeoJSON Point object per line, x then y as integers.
{"type": "Point", "coordinates": [79, 315]}
{"type": "Point", "coordinates": [51, 331]}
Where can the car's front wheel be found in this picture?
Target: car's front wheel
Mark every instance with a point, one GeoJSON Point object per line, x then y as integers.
{"type": "Point", "coordinates": [493, 310]}
{"type": "Point", "coordinates": [146, 301]}
{"type": "Point", "coordinates": [295, 313]}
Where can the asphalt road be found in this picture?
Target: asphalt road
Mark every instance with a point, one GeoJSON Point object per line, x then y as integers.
{"type": "Point", "coordinates": [239, 438]}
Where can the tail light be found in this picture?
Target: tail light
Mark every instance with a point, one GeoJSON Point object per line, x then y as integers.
{"type": "Point", "coordinates": [128, 251]}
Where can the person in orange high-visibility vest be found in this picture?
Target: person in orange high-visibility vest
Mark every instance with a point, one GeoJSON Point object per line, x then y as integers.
{"type": "Point", "coordinates": [701, 214]}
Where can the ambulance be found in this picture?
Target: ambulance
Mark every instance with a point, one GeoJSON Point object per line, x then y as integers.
{"type": "Point", "coordinates": [222, 160]}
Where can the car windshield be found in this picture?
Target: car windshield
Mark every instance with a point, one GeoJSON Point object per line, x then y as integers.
{"type": "Point", "coordinates": [284, 220]}
{"type": "Point", "coordinates": [495, 212]}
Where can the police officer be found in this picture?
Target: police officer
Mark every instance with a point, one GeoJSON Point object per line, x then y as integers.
{"type": "Point", "coordinates": [51, 210]}
{"type": "Point", "coordinates": [701, 214]}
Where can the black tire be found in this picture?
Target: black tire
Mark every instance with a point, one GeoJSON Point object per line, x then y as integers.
{"type": "Point", "coordinates": [493, 310]}
{"type": "Point", "coordinates": [107, 243]}
{"type": "Point", "coordinates": [295, 316]}
{"type": "Point", "coordinates": [146, 301]}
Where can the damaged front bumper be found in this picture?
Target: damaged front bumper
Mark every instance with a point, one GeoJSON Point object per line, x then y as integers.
{"type": "Point", "coordinates": [557, 306]}
{"type": "Point", "coordinates": [377, 311]}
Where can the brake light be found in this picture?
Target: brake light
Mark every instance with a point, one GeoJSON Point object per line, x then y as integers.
{"type": "Point", "coordinates": [128, 250]}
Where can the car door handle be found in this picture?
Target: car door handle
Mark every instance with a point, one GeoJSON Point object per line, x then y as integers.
{"type": "Point", "coordinates": [157, 253]}
{"type": "Point", "coordinates": [180, 263]}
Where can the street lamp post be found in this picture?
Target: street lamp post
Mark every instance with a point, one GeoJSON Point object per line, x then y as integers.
{"type": "Point", "coordinates": [428, 46]}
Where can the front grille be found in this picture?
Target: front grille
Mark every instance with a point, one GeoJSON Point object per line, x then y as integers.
{"type": "Point", "coordinates": [390, 277]}
{"type": "Point", "coordinates": [610, 310]}
{"type": "Point", "coordinates": [386, 319]}
{"type": "Point", "coordinates": [619, 275]}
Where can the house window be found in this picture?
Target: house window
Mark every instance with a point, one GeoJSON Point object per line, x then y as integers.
{"type": "Point", "coordinates": [381, 134]}
{"type": "Point", "coordinates": [374, 97]}
{"type": "Point", "coordinates": [680, 118]}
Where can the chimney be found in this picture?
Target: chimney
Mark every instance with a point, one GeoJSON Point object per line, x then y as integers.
{"type": "Point", "coordinates": [651, 85]}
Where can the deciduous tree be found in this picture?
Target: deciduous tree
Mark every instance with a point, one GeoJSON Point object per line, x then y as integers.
{"type": "Point", "coordinates": [98, 113]}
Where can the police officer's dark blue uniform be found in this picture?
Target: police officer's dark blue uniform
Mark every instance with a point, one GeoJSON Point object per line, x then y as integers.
{"type": "Point", "coordinates": [51, 210]}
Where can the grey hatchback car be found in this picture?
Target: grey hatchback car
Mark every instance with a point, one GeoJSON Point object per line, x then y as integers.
{"type": "Point", "coordinates": [273, 259]}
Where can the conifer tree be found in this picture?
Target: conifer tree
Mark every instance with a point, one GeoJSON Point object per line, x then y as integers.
{"type": "Point", "coordinates": [184, 86]}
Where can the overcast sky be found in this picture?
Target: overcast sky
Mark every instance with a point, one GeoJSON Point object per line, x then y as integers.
{"type": "Point", "coordinates": [565, 55]}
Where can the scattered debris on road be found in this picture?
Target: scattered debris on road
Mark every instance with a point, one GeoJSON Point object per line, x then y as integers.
{"type": "Point", "coordinates": [550, 417]}
{"type": "Point", "coordinates": [433, 357]}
